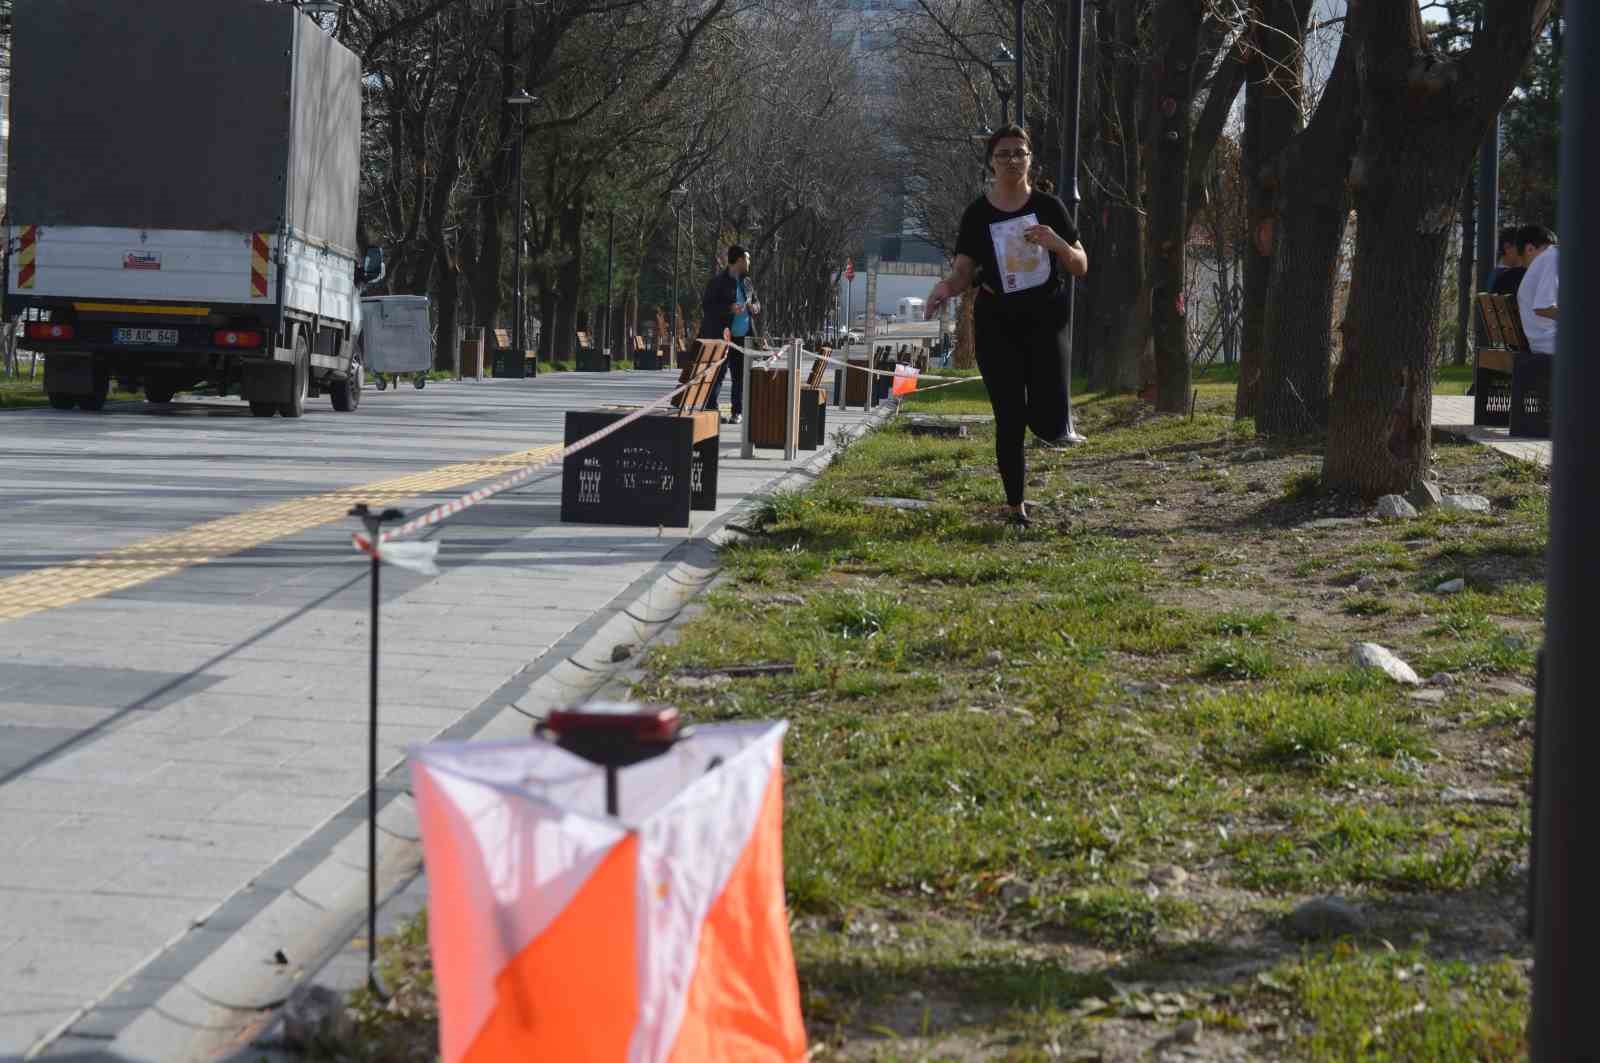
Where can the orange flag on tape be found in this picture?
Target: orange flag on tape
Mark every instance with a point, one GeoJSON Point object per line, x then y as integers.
{"type": "Point", "coordinates": [905, 380]}
{"type": "Point", "coordinates": [561, 933]}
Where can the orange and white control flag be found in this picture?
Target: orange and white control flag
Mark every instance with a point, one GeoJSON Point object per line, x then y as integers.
{"type": "Point", "coordinates": [905, 380]}
{"type": "Point", "coordinates": [561, 933]}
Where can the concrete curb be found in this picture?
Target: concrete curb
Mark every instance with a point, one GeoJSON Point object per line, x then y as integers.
{"type": "Point", "coordinates": [218, 992]}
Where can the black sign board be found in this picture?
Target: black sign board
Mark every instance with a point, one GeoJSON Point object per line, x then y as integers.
{"type": "Point", "coordinates": [649, 474]}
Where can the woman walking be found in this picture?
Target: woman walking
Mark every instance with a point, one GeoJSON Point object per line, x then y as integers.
{"type": "Point", "coordinates": [1016, 247]}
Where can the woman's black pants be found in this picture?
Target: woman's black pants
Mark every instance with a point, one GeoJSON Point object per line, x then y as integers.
{"type": "Point", "coordinates": [1025, 362]}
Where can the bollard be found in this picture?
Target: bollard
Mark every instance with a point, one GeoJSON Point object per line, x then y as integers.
{"type": "Point", "coordinates": [791, 411]}
{"type": "Point", "coordinates": [747, 449]}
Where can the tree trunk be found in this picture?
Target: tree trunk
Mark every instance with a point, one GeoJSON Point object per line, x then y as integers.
{"type": "Point", "coordinates": [1312, 206]}
{"type": "Point", "coordinates": [1122, 300]}
{"type": "Point", "coordinates": [1272, 117]}
{"type": "Point", "coordinates": [1179, 28]}
{"type": "Point", "coordinates": [1424, 116]}
{"type": "Point", "coordinates": [446, 304]}
{"type": "Point", "coordinates": [569, 275]}
{"type": "Point", "coordinates": [965, 355]}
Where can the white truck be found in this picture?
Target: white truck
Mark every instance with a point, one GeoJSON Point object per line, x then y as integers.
{"type": "Point", "coordinates": [184, 181]}
{"type": "Point", "coordinates": [908, 310]}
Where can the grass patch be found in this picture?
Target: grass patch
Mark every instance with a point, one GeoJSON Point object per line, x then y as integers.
{"type": "Point", "coordinates": [1383, 1005]}
{"type": "Point", "coordinates": [1029, 769]}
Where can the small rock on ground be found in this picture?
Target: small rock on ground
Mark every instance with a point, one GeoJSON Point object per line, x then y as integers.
{"type": "Point", "coordinates": [1254, 454]}
{"type": "Point", "coordinates": [1466, 503]}
{"type": "Point", "coordinates": [1452, 586]}
{"type": "Point", "coordinates": [1169, 876]}
{"type": "Point", "coordinates": [1510, 688]}
{"type": "Point", "coordinates": [1430, 696]}
{"type": "Point", "coordinates": [622, 651]}
{"type": "Point", "coordinates": [694, 682]}
{"type": "Point", "coordinates": [312, 1017]}
{"type": "Point", "coordinates": [1368, 583]}
{"type": "Point", "coordinates": [1329, 523]}
{"type": "Point", "coordinates": [995, 657]}
{"type": "Point", "coordinates": [896, 503]}
{"type": "Point", "coordinates": [1187, 1033]}
{"type": "Point", "coordinates": [1372, 655]}
{"type": "Point", "coordinates": [1393, 507]}
{"type": "Point", "coordinates": [1326, 917]}
{"type": "Point", "coordinates": [1425, 495]}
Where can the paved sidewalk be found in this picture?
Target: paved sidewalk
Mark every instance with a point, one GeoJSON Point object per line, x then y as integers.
{"type": "Point", "coordinates": [181, 755]}
{"type": "Point", "coordinates": [1454, 413]}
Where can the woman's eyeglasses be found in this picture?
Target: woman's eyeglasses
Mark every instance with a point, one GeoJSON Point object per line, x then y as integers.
{"type": "Point", "coordinates": [1007, 156]}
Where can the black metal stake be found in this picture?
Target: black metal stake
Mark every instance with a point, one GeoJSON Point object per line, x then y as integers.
{"type": "Point", "coordinates": [374, 523]}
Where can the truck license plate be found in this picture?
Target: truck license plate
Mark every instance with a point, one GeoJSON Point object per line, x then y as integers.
{"type": "Point", "coordinates": [146, 335]}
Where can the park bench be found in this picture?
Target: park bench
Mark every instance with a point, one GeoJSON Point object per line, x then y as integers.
{"type": "Point", "coordinates": [505, 362]}
{"type": "Point", "coordinates": [588, 359]}
{"type": "Point", "coordinates": [1510, 381]}
{"type": "Point", "coordinates": [655, 471]}
{"type": "Point", "coordinates": [644, 355]}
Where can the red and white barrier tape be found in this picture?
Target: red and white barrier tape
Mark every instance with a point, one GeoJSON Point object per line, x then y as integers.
{"type": "Point", "coordinates": [408, 555]}
{"type": "Point", "coordinates": [857, 367]}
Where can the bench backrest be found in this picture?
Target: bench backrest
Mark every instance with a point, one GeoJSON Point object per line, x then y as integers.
{"type": "Point", "coordinates": [1504, 307]}
{"type": "Point", "coordinates": [818, 368]}
{"type": "Point", "coordinates": [702, 369]}
{"type": "Point", "coordinates": [1491, 319]}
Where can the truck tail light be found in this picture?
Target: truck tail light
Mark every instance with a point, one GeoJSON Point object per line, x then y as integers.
{"type": "Point", "coordinates": [236, 338]}
{"type": "Point", "coordinates": [50, 331]}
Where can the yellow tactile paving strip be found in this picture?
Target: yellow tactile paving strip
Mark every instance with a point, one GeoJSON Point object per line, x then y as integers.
{"type": "Point", "coordinates": [162, 555]}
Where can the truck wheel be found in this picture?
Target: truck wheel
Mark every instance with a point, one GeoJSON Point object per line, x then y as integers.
{"type": "Point", "coordinates": [421, 381]}
{"type": "Point", "coordinates": [95, 401]}
{"type": "Point", "coordinates": [347, 392]}
{"type": "Point", "coordinates": [296, 407]}
{"type": "Point", "coordinates": [63, 402]}
{"type": "Point", "coordinates": [158, 390]}
{"type": "Point", "coordinates": [263, 409]}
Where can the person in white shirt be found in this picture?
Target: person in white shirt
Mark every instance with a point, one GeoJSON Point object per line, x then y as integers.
{"type": "Point", "coordinates": [1538, 300]}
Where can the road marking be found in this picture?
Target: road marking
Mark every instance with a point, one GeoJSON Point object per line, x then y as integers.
{"type": "Point", "coordinates": [163, 555]}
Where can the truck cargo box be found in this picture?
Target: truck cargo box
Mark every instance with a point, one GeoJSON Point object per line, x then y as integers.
{"type": "Point", "coordinates": [234, 115]}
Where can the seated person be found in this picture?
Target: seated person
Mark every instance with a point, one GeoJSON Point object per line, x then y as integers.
{"type": "Point", "coordinates": [1508, 277]}
{"type": "Point", "coordinates": [1538, 295]}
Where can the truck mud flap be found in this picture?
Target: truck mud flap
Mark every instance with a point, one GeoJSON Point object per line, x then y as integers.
{"type": "Point", "coordinates": [267, 382]}
{"type": "Point", "coordinates": [68, 374]}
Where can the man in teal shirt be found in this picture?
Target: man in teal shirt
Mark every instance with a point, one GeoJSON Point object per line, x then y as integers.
{"type": "Point", "coordinates": [742, 308]}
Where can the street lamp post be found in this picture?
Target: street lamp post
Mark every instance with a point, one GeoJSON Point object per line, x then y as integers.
{"type": "Point", "coordinates": [677, 241]}
{"type": "Point", "coordinates": [518, 292]}
{"type": "Point", "coordinates": [1563, 1019]}
{"type": "Point", "coordinates": [1002, 87]}
{"type": "Point", "coordinates": [611, 239]}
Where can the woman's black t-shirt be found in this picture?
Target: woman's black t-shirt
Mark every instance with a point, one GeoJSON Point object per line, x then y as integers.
{"type": "Point", "coordinates": [1022, 278]}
